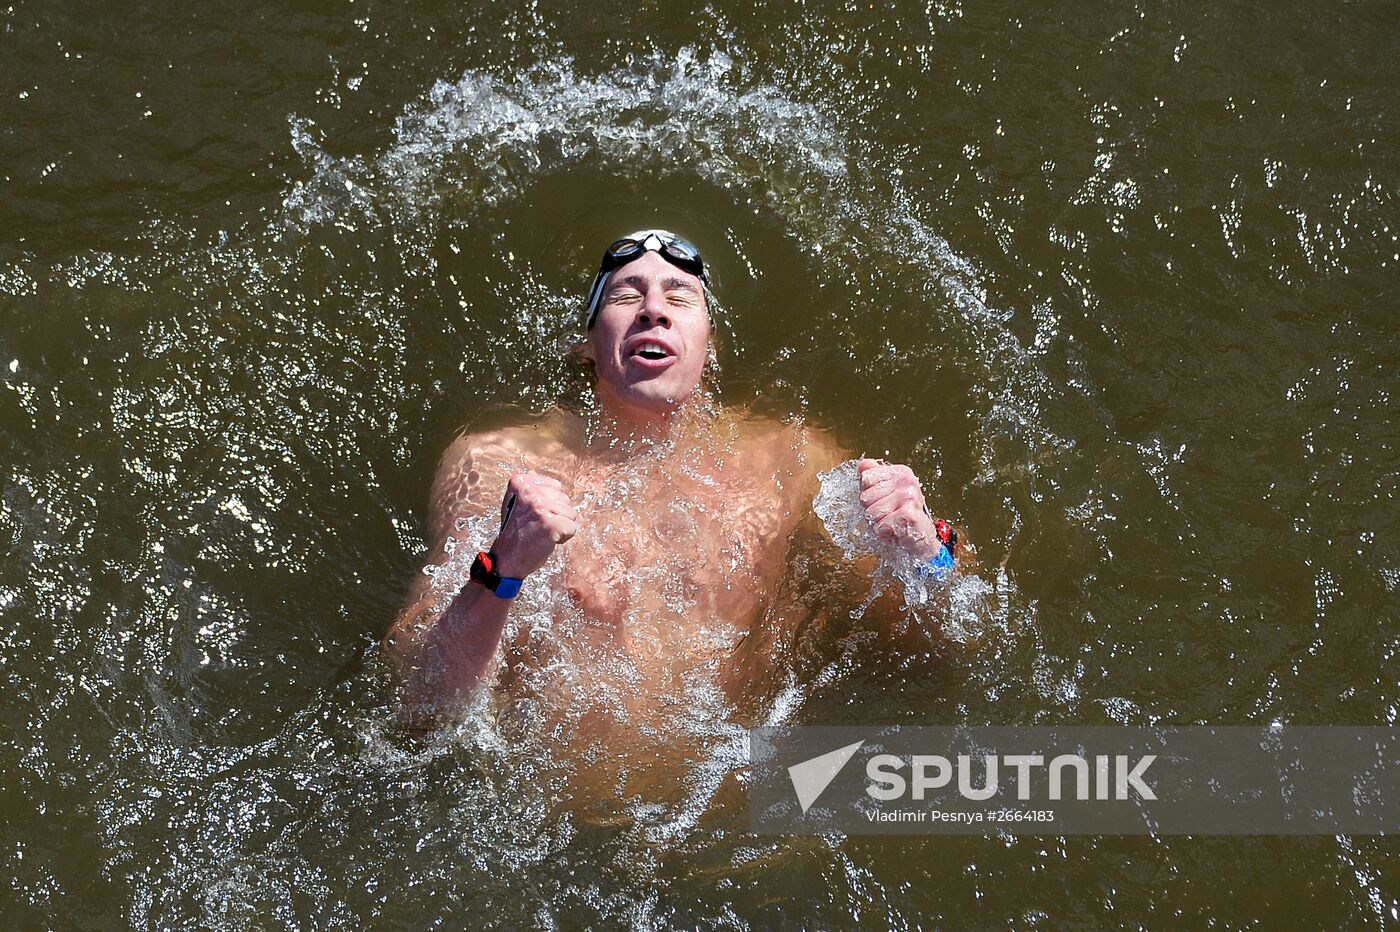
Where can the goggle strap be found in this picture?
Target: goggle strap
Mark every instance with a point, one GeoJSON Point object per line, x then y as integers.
{"type": "Point", "coordinates": [595, 295]}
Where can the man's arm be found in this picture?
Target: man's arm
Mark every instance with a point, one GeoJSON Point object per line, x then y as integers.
{"type": "Point", "coordinates": [890, 495]}
{"type": "Point", "coordinates": [894, 504]}
{"type": "Point", "coordinates": [442, 656]}
{"type": "Point", "coordinates": [893, 501]}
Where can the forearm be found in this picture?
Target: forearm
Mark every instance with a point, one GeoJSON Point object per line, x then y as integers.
{"type": "Point", "coordinates": [449, 653]}
{"type": "Point", "coordinates": [442, 655]}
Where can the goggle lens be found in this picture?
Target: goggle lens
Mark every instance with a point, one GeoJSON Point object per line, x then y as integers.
{"type": "Point", "coordinates": [677, 251]}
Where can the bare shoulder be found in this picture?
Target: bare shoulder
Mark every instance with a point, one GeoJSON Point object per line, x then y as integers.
{"type": "Point", "coordinates": [794, 447]}
{"type": "Point", "coordinates": [818, 448]}
{"type": "Point", "coordinates": [791, 453]}
{"type": "Point", "coordinates": [476, 465]}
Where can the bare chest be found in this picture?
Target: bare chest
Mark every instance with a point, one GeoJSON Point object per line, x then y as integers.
{"type": "Point", "coordinates": [670, 553]}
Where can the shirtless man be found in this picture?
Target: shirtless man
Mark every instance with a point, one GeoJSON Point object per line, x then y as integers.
{"type": "Point", "coordinates": [674, 518]}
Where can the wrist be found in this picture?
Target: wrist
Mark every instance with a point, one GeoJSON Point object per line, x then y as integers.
{"type": "Point", "coordinates": [923, 548]}
{"type": "Point", "coordinates": [923, 543]}
{"type": "Point", "coordinates": [487, 572]}
{"type": "Point", "coordinates": [506, 562]}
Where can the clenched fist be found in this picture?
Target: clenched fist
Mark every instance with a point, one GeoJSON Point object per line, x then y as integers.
{"type": "Point", "coordinates": [894, 506]}
{"type": "Point", "coordinates": [536, 516]}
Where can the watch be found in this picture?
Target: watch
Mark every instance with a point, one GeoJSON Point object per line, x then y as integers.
{"type": "Point", "coordinates": [484, 572]}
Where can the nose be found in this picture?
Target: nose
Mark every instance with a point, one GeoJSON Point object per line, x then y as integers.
{"type": "Point", "coordinates": [654, 312]}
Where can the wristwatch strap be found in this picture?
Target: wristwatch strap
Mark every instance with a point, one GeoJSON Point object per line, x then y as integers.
{"type": "Point", "coordinates": [484, 572]}
{"type": "Point", "coordinates": [941, 564]}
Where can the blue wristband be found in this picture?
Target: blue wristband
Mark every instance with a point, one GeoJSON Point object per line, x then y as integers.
{"type": "Point", "coordinates": [939, 566]}
{"type": "Point", "coordinates": [508, 587]}
{"type": "Point", "coordinates": [483, 571]}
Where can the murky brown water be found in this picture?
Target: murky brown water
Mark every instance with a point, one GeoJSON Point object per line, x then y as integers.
{"type": "Point", "coordinates": [1114, 280]}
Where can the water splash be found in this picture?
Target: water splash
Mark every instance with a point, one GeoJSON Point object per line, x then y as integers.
{"type": "Point", "coordinates": [483, 140]}
{"type": "Point", "coordinates": [837, 504]}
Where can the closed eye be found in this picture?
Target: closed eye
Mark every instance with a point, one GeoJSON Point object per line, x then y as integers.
{"type": "Point", "coordinates": [678, 289]}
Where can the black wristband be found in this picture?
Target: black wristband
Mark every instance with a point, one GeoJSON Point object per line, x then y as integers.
{"type": "Point", "coordinates": [484, 572]}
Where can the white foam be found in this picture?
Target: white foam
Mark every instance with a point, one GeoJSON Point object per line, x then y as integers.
{"type": "Point", "coordinates": [838, 505]}
{"type": "Point", "coordinates": [483, 140]}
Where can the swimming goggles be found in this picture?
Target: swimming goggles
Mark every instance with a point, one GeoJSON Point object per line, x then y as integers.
{"type": "Point", "coordinates": [679, 252]}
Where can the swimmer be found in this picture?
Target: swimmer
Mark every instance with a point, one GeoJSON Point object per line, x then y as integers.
{"type": "Point", "coordinates": [674, 517]}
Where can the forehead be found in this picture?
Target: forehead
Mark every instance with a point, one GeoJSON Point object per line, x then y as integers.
{"type": "Point", "coordinates": [650, 269]}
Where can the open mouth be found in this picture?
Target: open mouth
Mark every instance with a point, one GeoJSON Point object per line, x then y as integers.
{"type": "Point", "coordinates": [651, 351]}
{"type": "Point", "coordinates": [650, 354]}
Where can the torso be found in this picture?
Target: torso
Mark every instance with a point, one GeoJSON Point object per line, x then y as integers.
{"type": "Point", "coordinates": [685, 542]}
{"type": "Point", "coordinates": [669, 572]}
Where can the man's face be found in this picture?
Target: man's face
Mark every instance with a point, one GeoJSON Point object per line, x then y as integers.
{"type": "Point", "coordinates": [651, 337]}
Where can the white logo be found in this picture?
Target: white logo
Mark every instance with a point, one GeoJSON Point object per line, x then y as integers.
{"type": "Point", "coordinates": [887, 783]}
{"type": "Point", "coordinates": [1112, 778]}
{"type": "Point", "coordinates": [812, 776]}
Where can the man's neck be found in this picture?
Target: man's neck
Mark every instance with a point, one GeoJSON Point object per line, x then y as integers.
{"type": "Point", "coordinates": [620, 432]}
